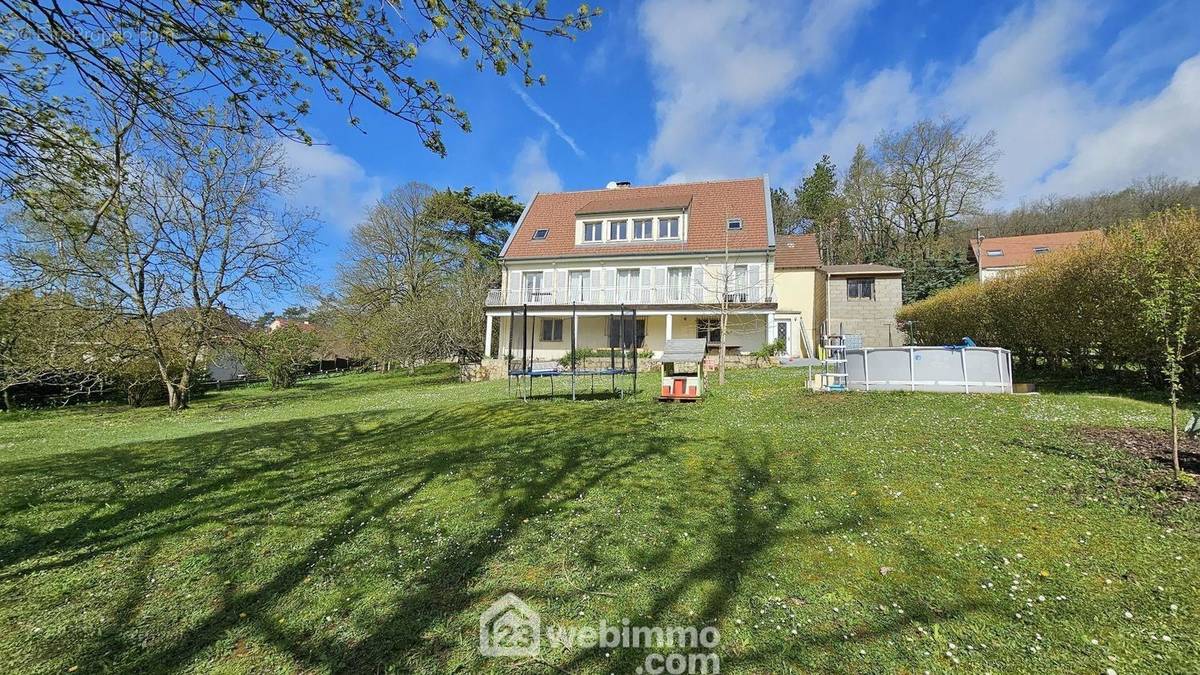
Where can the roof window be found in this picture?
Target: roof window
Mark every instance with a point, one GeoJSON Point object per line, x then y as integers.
{"type": "Point", "coordinates": [995, 253]}
{"type": "Point", "coordinates": [734, 223]}
{"type": "Point", "coordinates": [539, 235]}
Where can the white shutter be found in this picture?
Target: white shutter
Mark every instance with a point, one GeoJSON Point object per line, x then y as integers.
{"type": "Point", "coordinates": [753, 274]}
{"type": "Point", "coordinates": [514, 288]}
{"type": "Point", "coordinates": [610, 285]}
{"type": "Point", "coordinates": [698, 283]}
{"type": "Point", "coordinates": [560, 287]}
{"type": "Point", "coordinates": [659, 292]}
{"type": "Point", "coordinates": [596, 281]}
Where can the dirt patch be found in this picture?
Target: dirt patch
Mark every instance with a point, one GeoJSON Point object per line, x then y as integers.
{"type": "Point", "coordinates": [1153, 446]}
{"type": "Point", "coordinates": [1150, 444]}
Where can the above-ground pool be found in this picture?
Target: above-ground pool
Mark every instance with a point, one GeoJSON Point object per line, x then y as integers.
{"type": "Point", "coordinates": [959, 369]}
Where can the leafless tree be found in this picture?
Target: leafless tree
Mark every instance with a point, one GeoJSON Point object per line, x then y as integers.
{"type": "Point", "coordinates": [1097, 210]}
{"type": "Point", "coordinates": [396, 253]}
{"type": "Point", "coordinates": [870, 212]}
{"type": "Point", "coordinates": [723, 288]}
{"type": "Point", "coordinates": [196, 231]}
{"type": "Point", "coordinates": [935, 173]}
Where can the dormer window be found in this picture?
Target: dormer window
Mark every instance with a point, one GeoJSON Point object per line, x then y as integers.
{"type": "Point", "coordinates": [643, 228]}
{"type": "Point", "coordinates": [593, 231]}
{"type": "Point", "coordinates": [734, 223]}
{"type": "Point", "coordinates": [618, 230]}
{"type": "Point", "coordinates": [539, 235]}
{"type": "Point", "coordinates": [668, 228]}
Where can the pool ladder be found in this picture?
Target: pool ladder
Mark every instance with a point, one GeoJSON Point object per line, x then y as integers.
{"type": "Point", "coordinates": [833, 349]}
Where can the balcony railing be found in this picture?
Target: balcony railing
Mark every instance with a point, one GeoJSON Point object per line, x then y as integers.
{"type": "Point", "coordinates": [651, 295]}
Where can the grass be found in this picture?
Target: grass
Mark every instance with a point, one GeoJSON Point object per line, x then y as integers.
{"type": "Point", "coordinates": [363, 523]}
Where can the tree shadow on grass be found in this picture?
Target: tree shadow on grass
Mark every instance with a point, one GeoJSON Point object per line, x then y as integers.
{"type": "Point", "coordinates": [754, 521]}
{"type": "Point", "coordinates": [128, 505]}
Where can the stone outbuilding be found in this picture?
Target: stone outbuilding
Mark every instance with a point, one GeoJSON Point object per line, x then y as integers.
{"type": "Point", "coordinates": [863, 300]}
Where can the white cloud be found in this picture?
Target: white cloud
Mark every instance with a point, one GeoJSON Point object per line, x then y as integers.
{"type": "Point", "coordinates": [886, 101]}
{"type": "Point", "coordinates": [333, 184]}
{"type": "Point", "coordinates": [1016, 84]}
{"type": "Point", "coordinates": [1058, 131]}
{"type": "Point", "coordinates": [531, 171]}
{"type": "Point", "coordinates": [714, 87]}
{"type": "Point", "coordinates": [1157, 136]}
{"type": "Point", "coordinates": [540, 112]}
{"type": "Point", "coordinates": [1157, 41]}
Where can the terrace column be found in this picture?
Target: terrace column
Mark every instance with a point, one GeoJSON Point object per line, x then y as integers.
{"type": "Point", "coordinates": [669, 318]}
{"type": "Point", "coordinates": [770, 327]}
{"type": "Point", "coordinates": [487, 338]}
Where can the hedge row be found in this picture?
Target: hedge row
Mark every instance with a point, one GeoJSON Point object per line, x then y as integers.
{"type": "Point", "coordinates": [1079, 308]}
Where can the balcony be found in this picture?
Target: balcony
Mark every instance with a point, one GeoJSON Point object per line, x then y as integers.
{"type": "Point", "coordinates": [650, 295]}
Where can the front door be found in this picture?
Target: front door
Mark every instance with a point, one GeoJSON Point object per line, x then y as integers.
{"type": "Point", "coordinates": [783, 331]}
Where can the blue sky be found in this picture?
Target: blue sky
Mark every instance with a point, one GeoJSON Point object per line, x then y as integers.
{"type": "Point", "coordinates": [1083, 96]}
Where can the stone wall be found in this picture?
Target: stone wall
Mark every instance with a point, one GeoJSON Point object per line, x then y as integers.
{"type": "Point", "coordinates": [873, 318]}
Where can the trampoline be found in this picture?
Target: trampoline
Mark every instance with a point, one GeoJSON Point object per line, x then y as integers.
{"type": "Point", "coordinates": [531, 369]}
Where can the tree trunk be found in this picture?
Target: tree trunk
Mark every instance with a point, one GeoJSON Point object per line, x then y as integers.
{"type": "Point", "coordinates": [1175, 435]}
{"type": "Point", "coordinates": [172, 396]}
{"type": "Point", "coordinates": [7, 401]}
{"type": "Point", "coordinates": [177, 393]}
{"type": "Point", "coordinates": [721, 348]}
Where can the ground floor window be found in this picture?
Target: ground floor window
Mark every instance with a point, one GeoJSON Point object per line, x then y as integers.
{"type": "Point", "coordinates": [709, 329]}
{"type": "Point", "coordinates": [631, 333]}
{"type": "Point", "coordinates": [552, 330]}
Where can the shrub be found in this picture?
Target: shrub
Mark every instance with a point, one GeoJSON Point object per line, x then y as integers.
{"type": "Point", "coordinates": [776, 346]}
{"type": "Point", "coordinates": [1078, 306]}
{"type": "Point", "coordinates": [279, 355]}
{"type": "Point", "coordinates": [581, 353]}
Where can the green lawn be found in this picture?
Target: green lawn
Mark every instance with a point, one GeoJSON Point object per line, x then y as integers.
{"type": "Point", "coordinates": [363, 523]}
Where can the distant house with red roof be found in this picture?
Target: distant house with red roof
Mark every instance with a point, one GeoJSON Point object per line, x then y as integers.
{"type": "Point", "coordinates": [302, 325]}
{"type": "Point", "coordinates": [678, 253]}
{"type": "Point", "coordinates": [1002, 256]}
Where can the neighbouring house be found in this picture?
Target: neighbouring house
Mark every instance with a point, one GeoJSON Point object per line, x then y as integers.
{"type": "Point", "coordinates": [1001, 256]}
{"type": "Point", "coordinates": [304, 326]}
{"type": "Point", "coordinates": [800, 292]}
{"type": "Point", "coordinates": [681, 255]}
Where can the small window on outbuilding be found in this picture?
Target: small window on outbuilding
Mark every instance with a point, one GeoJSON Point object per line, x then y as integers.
{"type": "Point", "coordinates": [734, 223]}
{"type": "Point", "coordinates": [860, 289]}
{"type": "Point", "coordinates": [538, 235]}
{"type": "Point", "coordinates": [1041, 249]}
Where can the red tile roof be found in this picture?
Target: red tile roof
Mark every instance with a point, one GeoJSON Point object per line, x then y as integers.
{"type": "Point", "coordinates": [646, 203]}
{"type": "Point", "coordinates": [709, 205]}
{"type": "Point", "coordinates": [794, 251]}
{"type": "Point", "coordinates": [867, 269]}
{"type": "Point", "coordinates": [1020, 251]}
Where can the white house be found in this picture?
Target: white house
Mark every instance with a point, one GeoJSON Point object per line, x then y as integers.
{"type": "Point", "coordinates": [999, 257]}
{"type": "Point", "coordinates": [679, 254]}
